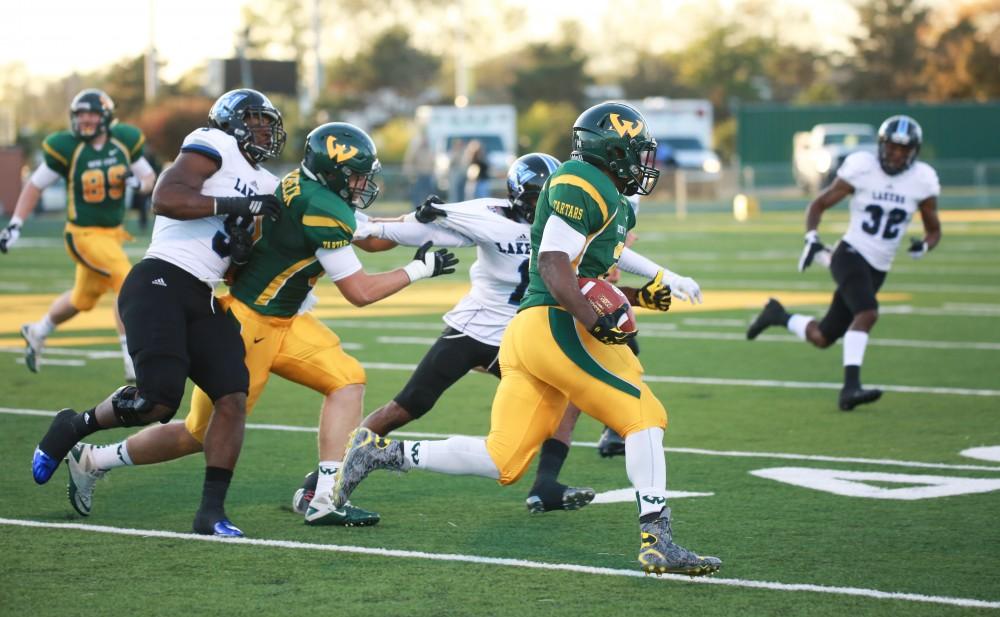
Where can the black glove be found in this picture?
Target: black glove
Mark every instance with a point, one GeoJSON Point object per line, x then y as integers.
{"type": "Point", "coordinates": [426, 212]}
{"type": "Point", "coordinates": [248, 207]}
{"type": "Point", "coordinates": [606, 329]}
{"type": "Point", "coordinates": [428, 265]}
{"type": "Point", "coordinates": [240, 244]}
{"type": "Point", "coordinates": [918, 248]}
{"type": "Point", "coordinates": [654, 294]}
{"type": "Point", "coordinates": [812, 248]}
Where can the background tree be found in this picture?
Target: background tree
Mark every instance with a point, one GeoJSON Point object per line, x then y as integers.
{"type": "Point", "coordinates": [889, 57]}
{"type": "Point", "coordinates": [553, 73]}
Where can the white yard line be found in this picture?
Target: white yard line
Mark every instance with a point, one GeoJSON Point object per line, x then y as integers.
{"type": "Point", "coordinates": [511, 563]}
{"type": "Point", "coordinates": [593, 444]}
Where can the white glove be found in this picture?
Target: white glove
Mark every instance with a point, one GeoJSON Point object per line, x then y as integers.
{"type": "Point", "coordinates": [10, 234]}
{"type": "Point", "coordinates": [685, 288]}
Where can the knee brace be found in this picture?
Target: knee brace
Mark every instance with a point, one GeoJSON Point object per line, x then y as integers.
{"type": "Point", "coordinates": [130, 408]}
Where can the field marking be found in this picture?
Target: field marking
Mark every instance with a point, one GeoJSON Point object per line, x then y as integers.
{"type": "Point", "coordinates": [755, 383]}
{"type": "Point", "coordinates": [506, 562]}
{"type": "Point", "coordinates": [657, 330]}
{"type": "Point", "coordinates": [287, 428]}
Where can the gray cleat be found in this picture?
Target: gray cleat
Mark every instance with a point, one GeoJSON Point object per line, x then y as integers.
{"type": "Point", "coordinates": [659, 554]}
{"type": "Point", "coordinates": [366, 452]}
{"type": "Point", "coordinates": [83, 475]}
{"type": "Point", "coordinates": [573, 498]}
{"type": "Point", "coordinates": [32, 348]}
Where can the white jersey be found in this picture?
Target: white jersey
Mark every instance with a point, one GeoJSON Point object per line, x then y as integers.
{"type": "Point", "coordinates": [500, 274]}
{"type": "Point", "coordinates": [883, 205]}
{"type": "Point", "coordinates": [201, 246]}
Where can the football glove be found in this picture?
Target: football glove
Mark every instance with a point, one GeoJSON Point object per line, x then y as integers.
{"type": "Point", "coordinates": [428, 264]}
{"type": "Point", "coordinates": [654, 294]}
{"type": "Point", "coordinates": [131, 181]}
{"type": "Point", "coordinates": [240, 244]}
{"type": "Point", "coordinates": [684, 288]}
{"type": "Point", "coordinates": [918, 248]}
{"type": "Point", "coordinates": [248, 207]}
{"type": "Point", "coordinates": [10, 234]}
{"type": "Point", "coordinates": [606, 329]}
{"type": "Point", "coordinates": [426, 212]}
{"type": "Point", "coordinates": [812, 248]}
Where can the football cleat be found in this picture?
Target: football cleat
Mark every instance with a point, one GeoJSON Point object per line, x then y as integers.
{"type": "Point", "coordinates": [366, 452]}
{"type": "Point", "coordinates": [659, 554]}
{"type": "Point", "coordinates": [208, 525]}
{"type": "Point", "coordinates": [32, 348]}
{"type": "Point", "coordinates": [773, 314]}
{"type": "Point", "coordinates": [83, 475]}
{"type": "Point", "coordinates": [305, 494]}
{"type": "Point", "coordinates": [611, 443]}
{"type": "Point", "coordinates": [852, 397]}
{"type": "Point", "coordinates": [321, 511]}
{"type": "Point", "coordinates": [572, 499]}
{"type": "Point", "coordinates": [54, 447]}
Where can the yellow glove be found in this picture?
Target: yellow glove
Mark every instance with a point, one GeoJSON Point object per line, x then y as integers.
{"type": "Point", "coordinates": [654, 294]}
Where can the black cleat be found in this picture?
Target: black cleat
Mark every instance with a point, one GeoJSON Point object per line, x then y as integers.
{"type": "Point", "coordinates": [773, 314]}
{"type": "Point", "coordinates": [611, 443]}
{"type": "Point", "coordinates": [851, 398]}
{"type": "Point", "coordinates": [568, 498]}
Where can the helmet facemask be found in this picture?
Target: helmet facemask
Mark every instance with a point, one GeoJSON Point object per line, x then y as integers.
{"type": "Point", "coordinates": [258, 121]}
{"type": "Point", "coordinates": [902, 131]}
{"type": "Point", "coordinates": [95, 101]}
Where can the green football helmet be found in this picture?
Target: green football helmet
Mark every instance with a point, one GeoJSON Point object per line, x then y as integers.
{"type": "Point", "coordinates": [336, 155]}
{"type": "Point", "coordinates": [96, 101]}
{"type": "Point", "coordinates": [616, 138]}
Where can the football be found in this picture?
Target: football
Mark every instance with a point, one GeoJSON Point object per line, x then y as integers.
{"type": "Point", "coordinates": [606, 298]}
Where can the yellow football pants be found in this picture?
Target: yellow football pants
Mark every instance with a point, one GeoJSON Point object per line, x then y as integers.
{"type": "Point", "coordinates": [300, 349]}
{"type": "Point", "coordinates": [101, 264]}
{"type": "Point", "coordinates": [546, 360]}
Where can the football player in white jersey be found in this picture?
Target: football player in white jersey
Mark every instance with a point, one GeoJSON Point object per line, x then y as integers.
{"type": "Point", "coordinates": [887, 190]}
{"type": "Point", "coordinates": [500, 229]}
{"type": "Point", "coordinates": [206, 202]}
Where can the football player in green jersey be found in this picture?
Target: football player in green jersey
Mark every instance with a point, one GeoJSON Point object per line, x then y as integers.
{"type": "Point", "coordinates": [98, 157]}
{"type": "Point", "coordinates": [557, 349]}
{"type": "Point", "coordinates": [269, 298]}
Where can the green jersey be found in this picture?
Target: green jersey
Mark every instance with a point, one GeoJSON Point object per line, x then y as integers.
{"type": "Point", "coordinates": [283, 267]}
{"type": "Point", "coordinates": [95, 179]}
{"type": "Point", "coordinates": [588, 201]}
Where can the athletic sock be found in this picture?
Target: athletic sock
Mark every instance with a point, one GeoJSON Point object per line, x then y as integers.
{"type": "Point", "coordinates": [647, 469]}
{"type": "Point", "coordinates": [797, 325]}
{"type": "Point", "coordinates": [112, 455]}
{"type": "Point", "coordinates": [455, 455]}
{"type": "Point", "coordinates": [213, 495]}
{"type": "Point", "coordinates": [85, 424]}
{"type": "Point", "coordinates": [327, 476]}
{"type": "Point", "coordinates": [855, 342]}
{"type": "Point", "coordinates": [43, 327]}
{"type": "Point", "coordinates": [550, 461]}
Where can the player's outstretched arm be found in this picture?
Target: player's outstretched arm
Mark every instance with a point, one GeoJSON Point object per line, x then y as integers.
{"type": "Point", "coordinates": [362, 289]}
{"type": "Point", "coordinates": [683, 287]}
{"type": "Point", "coordinates": [26, 203]}
{"type": "Point", "coordinates": [814, 247]}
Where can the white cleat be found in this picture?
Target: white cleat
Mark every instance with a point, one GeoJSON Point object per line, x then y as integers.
{"type": "Point", "coordinates": [33, 346]}
{"type": "Point", "coordinates": [83, 475]}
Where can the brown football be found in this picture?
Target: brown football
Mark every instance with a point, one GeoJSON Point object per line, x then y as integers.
{"type": "Point", "coordinates": [606, 298]}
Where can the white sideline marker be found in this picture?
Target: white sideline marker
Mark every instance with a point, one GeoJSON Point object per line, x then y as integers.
{"type": "Point", "coordinates": [515, 563]}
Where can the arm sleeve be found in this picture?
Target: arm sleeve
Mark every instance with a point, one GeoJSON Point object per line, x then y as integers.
{"type": "Point", "coordinates": [200, 142]}
{"type": "Point", "coordinates": [931, 183]}
{"type": "Point", "coordinates": [634, 263]}
{"type": "Point", "coordinates": [338, 263]}
{"type": "Point", "coordinates": [414, 234]}
{"type": "Point", "coordinates": [569, 203]}
{"type": "Point", "coordinates": [559, 236]}
{"type": "Point", "coordinates": [43, 176]}
{"type": "Point", "coordinates": [141, 168]}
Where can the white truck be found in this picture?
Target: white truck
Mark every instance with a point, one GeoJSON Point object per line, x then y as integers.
{"type": "Point", "coordinates": [818, 153]}
{"type": "Point", "coordinates": [683, 132]}
{"type": "Point", "coordinates": [494, 126]}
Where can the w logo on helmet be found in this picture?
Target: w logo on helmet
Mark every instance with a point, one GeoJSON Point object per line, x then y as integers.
{"type": "Point", "coordinates": [625, 127]}
{"type": "Point", "coordinates": [340, 152]}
